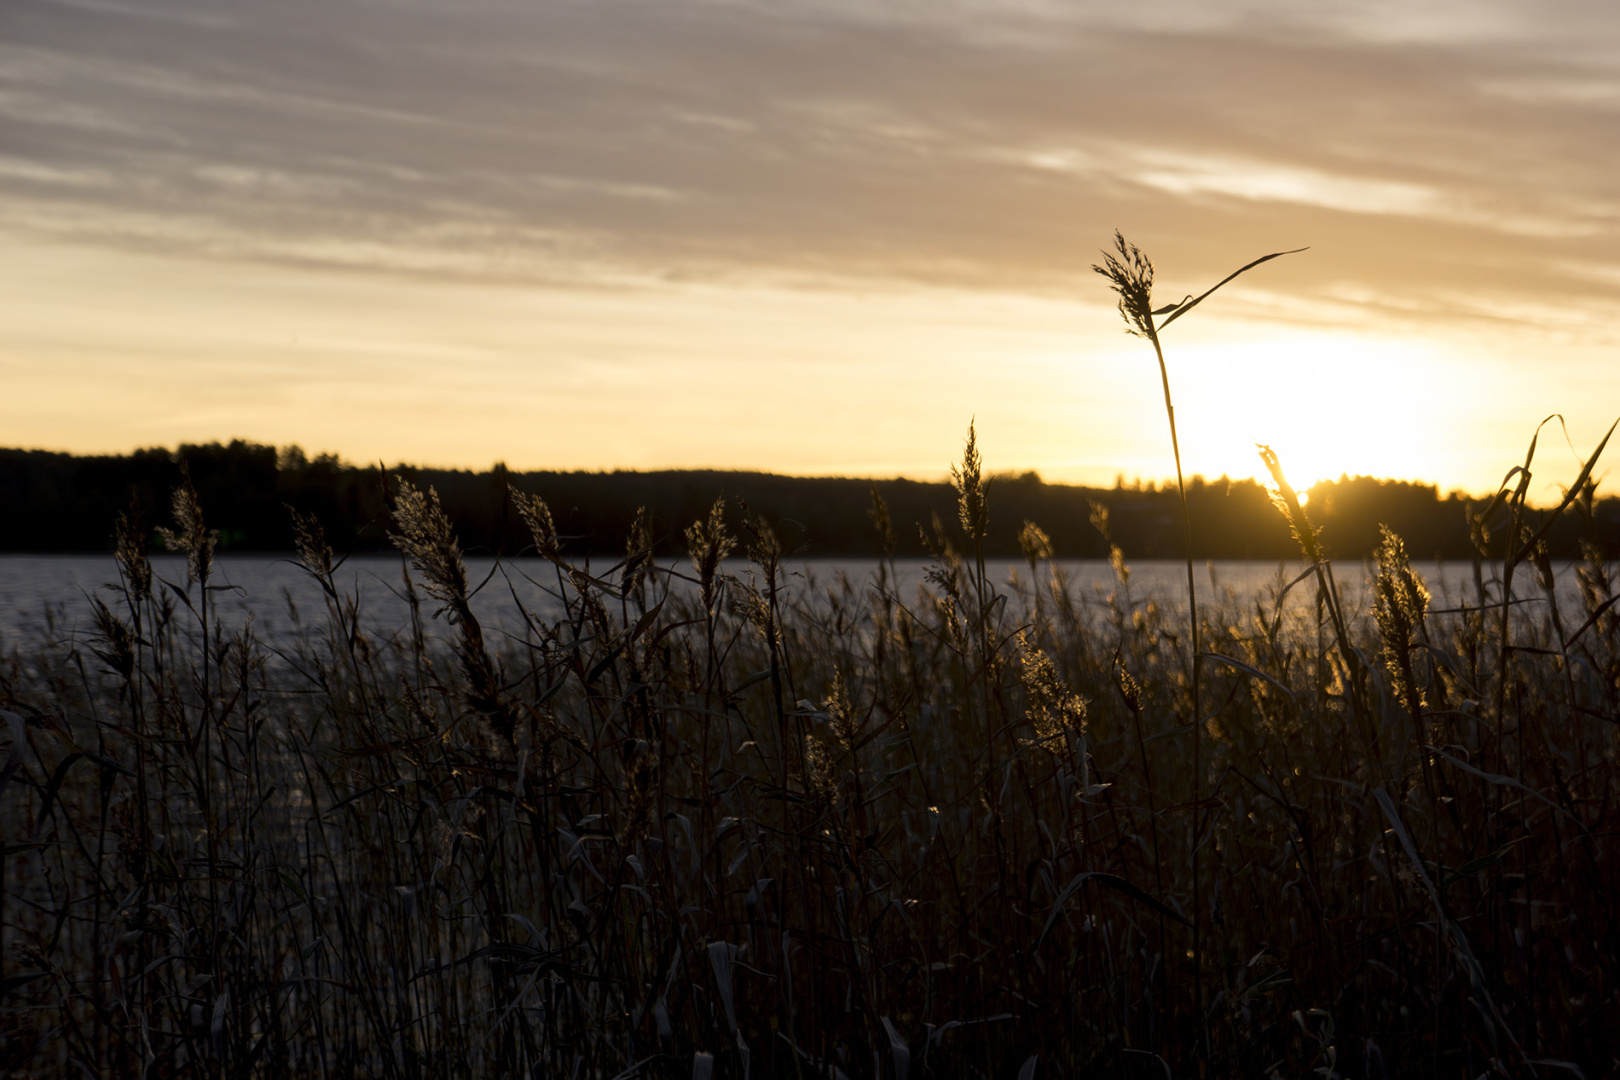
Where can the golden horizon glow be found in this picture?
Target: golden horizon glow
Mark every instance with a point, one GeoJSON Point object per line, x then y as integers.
{"type": "Point", "coordinates": [812, 238]}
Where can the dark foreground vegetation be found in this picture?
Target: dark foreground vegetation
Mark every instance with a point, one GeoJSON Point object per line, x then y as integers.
{"type": "Point", "coordinates": [708, 826]}
{"type": "Point", "coordinates": [61, 502]}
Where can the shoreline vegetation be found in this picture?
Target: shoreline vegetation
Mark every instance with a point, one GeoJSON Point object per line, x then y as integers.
{"type": "Point", "coordinates": [700, 822]}
{"type": "Point", "coordinates": [702, 825]}
{"type": "Point", "coordinates": [56, 503]}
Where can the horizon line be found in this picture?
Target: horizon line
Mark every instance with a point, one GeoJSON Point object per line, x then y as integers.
{"type": "Point", "coordinates": [1121, 481]}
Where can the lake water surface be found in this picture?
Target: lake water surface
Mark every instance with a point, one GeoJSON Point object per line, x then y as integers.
{"type": "Point", "coordinates": [50, 594]}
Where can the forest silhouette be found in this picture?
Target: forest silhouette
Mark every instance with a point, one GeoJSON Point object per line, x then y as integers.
{"type": "Point", "coordinates": [56, 502]}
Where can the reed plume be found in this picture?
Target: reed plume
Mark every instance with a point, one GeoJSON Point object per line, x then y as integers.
{"type": "Point", "coordinates": [129, 552]}
{"type": "Point", "coordinates": [1034, 543]}
{"type": "Point", "coordinates": [536, 516]}
{"type": "Point", "coordinates": [424, 535]}
{"type": "Point", "coordinates": [707, 545]}
{"type": "Point", "coordinates": [1286, 500]}
{"type": "Point", "coordinates": [1055, 712]}
{"type": "Point", "coordinates": [1400, 602]}
{"type": "Point", "coordinates": [190, 534]}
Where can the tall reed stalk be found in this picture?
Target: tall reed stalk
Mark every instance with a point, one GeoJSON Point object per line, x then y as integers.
{"type": "Point", "coordinates": [1130, 274]}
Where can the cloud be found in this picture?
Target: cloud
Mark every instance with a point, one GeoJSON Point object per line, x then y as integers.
{"type": "Point", "coordinates": [1432, 151]}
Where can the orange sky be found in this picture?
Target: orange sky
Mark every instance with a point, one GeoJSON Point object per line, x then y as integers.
{"type": "Point", "coordinates": [811, 237]}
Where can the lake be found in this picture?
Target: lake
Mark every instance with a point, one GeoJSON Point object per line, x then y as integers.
{"type": "Point", "coordinates": [50, 594]}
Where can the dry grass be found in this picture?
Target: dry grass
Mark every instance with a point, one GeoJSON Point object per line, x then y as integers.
{"type": "Point", "coordinates": [711, 823]}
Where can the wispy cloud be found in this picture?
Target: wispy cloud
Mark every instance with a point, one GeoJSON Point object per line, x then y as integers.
{"type": "Point", "coordinates": [963, 141]}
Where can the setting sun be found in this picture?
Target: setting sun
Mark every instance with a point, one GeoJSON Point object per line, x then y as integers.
{"type": "Point", "coordinates": [1328, 404]}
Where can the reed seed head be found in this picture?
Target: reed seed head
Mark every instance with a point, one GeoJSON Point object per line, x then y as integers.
{"type": "Point", "coordinates": [115, 641]}
{"type": "Point", "coordinates": [1034, 543]}
{"type": "Point", "coordinates": [309, 541]}
{"type": "Point", "coordinates": [707, 543]}
{"type": "Point", "coordinates": [968, 480]}
{"type": "Point", "coordinates": [879, 512]}
{"type": "Point", "coordinates": [764, 549]}
{"type": "Point", "coordinates": [426, 538]}
{"type": "Point", "coordinates": [818, 769]}
{"type": "Point", "coordinates": [637, 551]}
{"type": "Point", "coordinates": [845, 725]}
{"type": "Point", "coordinates": [1400, 602]}
{"type": "Point", "coordinates": [1286, 500]}
{"type": "Point", "coordinates": [129, 550]}
{"type": "Point", "coordinates": [1099, 519]}
{"type": "Point", "coordinates": [753, 606]}
{"type": "Point", "coordinates": [1129, 689]}
{"type": "Point", "coordinates": [190, 534]}
{"type": "Point", "coordinates": [536, 516]}
{"type": "Point", "coordinates": [1052, 708]}
{"type": "Point", "coordinates": [1130, 274]}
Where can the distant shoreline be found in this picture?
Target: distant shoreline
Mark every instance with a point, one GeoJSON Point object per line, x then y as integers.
{"type": "Point", "coordinates": [52, 503]}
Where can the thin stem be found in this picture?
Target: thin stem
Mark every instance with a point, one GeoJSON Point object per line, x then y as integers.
{"type": "Point", "coordinates": [1197, 711]}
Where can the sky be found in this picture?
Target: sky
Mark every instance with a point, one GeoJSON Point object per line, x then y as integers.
{"type": "Point", "coordinates": [813, 236]}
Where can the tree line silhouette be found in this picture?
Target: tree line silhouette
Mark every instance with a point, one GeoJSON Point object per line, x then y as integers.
{"type": "Point", "coordinates": [55, 502]}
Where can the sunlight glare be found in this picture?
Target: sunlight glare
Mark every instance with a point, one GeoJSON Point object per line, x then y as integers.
{"type": "Point", "coordinates": [1328, 404]}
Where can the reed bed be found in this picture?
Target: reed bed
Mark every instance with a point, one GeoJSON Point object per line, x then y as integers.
{"type": "Point", "coordinates": [701, 823]}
